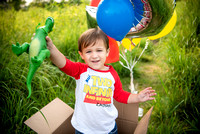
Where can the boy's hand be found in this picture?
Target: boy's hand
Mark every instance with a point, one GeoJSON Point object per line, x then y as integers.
{"type": "Point", "coordinates": [146, 94]}
{"type": "Point", "coordinates": [143, 96]}
{"type": "Point", "coordinates": [55, 55]}
{"type": "Point", "coordinates": [50, 44]}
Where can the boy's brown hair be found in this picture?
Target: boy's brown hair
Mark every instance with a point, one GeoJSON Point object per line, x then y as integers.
{"type": "Point", "coordinates": [90, 37]}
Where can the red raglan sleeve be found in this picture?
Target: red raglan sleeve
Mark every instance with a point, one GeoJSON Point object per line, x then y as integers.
{"type": "Point", "coordinates": [119, 94]}
{"type": "Point", "coordinates": [74, 69]}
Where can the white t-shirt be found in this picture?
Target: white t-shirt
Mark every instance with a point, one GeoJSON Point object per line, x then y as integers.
{"type": "Point", "coordinates": [94, 112]}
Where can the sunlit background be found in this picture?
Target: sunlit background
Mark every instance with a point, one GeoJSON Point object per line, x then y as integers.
{"type": "Point", "coordinates": [171, 65]}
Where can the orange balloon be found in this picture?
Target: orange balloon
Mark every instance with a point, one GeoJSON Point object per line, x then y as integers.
{"type": "Point", "coordinates": [114, 51]}
{"type": "Point", "coordinates": [94, 3]}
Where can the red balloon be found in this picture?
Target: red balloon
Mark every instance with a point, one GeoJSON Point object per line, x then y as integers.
{"type": "Point", "coordinates": [114, 51]}
{"type": "Point", "coordinates": [94, 3]}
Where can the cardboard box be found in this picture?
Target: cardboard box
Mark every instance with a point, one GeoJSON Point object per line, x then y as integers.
{"type": "Point", "coordinates": [55, 118]}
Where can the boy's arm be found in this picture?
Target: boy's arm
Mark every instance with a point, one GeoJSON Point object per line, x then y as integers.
{"type": "Point", "coordinates": [143, 96]}
{"type": "Point", "coordinates": [56, 56]}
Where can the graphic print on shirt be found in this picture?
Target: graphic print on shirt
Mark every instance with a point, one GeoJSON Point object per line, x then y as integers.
{"type": "Point", "coordinates": [88, 78]}
{"type": "Point", "coordinates": [100, 92]}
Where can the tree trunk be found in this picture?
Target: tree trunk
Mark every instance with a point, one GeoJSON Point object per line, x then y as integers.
{"type": "Point", "coordinates": [132, 87]}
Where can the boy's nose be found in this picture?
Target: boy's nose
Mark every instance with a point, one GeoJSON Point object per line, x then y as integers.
{"type": "Point", "coordinates": [94, 55]}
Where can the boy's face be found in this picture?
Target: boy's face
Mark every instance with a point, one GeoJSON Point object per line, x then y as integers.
{"type": "Point", "coordinates": [95, 56]}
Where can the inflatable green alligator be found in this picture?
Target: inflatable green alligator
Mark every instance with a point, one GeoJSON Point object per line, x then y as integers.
{"type": "Point", "coordinates": [37, 50]}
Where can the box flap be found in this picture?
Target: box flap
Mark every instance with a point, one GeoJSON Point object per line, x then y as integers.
{"type": "Point", "coordinates": [57, 114]}
{"type": "Point", "coordinates": [127, 117]}
{"type": "Point", "coordinates": [143, 124]}
{"type": "Point", "coordinates": [125, 127]}
{"type": "Point", "coordinates": [127, 112]}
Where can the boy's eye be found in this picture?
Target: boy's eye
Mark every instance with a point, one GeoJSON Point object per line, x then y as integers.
{"type": "Point", "coordinates": [88, 51]}
{"type": "Point", "coordinates": [99, 50]}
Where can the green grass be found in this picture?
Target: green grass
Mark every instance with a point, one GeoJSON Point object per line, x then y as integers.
{"type": "Point", "coordinates": [172, 69]}
{"type": "Point", "coordinates": [177, 106]}
{"type": "Point", "coordinates": [170, 65]}
{"type": "Point", "coordinates": [49, 82]}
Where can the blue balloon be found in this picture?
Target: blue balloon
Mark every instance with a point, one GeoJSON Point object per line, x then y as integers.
{"type": "Point", "coordinates": [115, 17]}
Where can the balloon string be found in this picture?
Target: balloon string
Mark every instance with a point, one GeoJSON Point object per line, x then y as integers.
{"type": "Point", "coordinates": [146, 46]}
{"type": "Point", "coordinates": [131, 63]}
{"type": "Point", "coordinates": [132, 43]}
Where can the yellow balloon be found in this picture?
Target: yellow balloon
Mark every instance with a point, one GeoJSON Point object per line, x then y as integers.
{"type": "Point", "coordinates": [136, 40]}
{"type": "Point", "coordinates": [130, 44]}
{"type": "Point", "coordinates": [167, 29]}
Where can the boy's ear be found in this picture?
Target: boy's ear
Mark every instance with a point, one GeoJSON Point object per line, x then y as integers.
{"type": "Point", "coordinates": [81, 54]}
{"type": "Point", "coordinates": [108, 51]}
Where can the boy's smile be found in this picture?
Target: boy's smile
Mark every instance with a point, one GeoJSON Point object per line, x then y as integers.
{"type": "Point", "coordinates": [95, 55]}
